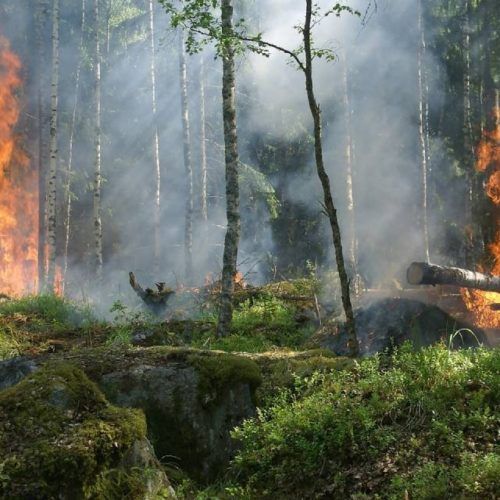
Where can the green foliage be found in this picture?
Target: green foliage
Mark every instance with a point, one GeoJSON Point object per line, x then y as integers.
{"type": "Point", "coordinates": [271, 319]}
{"type": "Point", "coordinates": [49, 309]}
{"type": "Point", "coordinates": [373, 428]}
{"type": "Point", "coordinates": [256, 186]}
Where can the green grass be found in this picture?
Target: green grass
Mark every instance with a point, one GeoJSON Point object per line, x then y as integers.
{"type": "Point", "coordinates": [48, 309]}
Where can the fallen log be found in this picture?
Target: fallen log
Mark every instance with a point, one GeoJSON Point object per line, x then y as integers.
{"type": "Point", "coordinates": [157, 299]}
{"type": "Point", "coordinates": [423, 273]}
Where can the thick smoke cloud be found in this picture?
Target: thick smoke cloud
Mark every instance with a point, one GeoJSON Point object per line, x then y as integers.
{"type": "Point", "coordinates": [382, 73]}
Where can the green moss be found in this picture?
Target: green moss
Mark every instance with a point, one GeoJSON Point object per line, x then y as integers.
{"type": "Point", "coordinates": [217, 370]}
{"type": "Point", "coordinates": [57, 433]}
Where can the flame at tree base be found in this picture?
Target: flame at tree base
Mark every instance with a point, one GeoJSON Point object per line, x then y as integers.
{"type": "Point", "coordinates": [488, 160]}
{"type": "Point", "coordinates": [18, 189]}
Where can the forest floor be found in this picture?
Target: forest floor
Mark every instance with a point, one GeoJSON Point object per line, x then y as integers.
{"type": "Point", "coordinates": [405, 423]}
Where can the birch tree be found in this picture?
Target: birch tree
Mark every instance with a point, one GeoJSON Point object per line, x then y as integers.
{"type": "Point", "coordinates": [69, 172]}
{"type": "Point", "coordinates": [349, 157]}
{"type": "Point", "coordinates": [203, 144]}
{"type": "Point", "coordinates": [40, 20]}
{"type": "Point", "coordinates": [421, 132]}
{"type": "Point", "coordinates": [156, 142]}
{"type": "Point", "coordinates": [52, 176]}
{"type": "Point", "coordinates": [97, 149]}
{"type": "Point", "coordinates": [186, 140]}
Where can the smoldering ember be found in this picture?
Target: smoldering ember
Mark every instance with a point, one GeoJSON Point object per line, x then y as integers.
{"type": "Point", "coordinates": [249, 249]}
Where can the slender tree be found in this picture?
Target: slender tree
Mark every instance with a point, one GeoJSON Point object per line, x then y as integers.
{"type": "Point", "coordinates": [186, 139]}
{"type": "Point", "coordinates": [97, 149]}
{"type": "Point", "coordinates": [421, 131]}
{"type": "Point", "coordinates": [231, 160]}
{"type": "Point", "coordinates": [203, 144]}
{"type": "Point", "coordinates": [67, 186]}
{"type": "Point", "coordinates": [155, 143]}
{"type": "Point", "coordinates": [468, 140]}
{"type": "Point", "coordinates": [349, 156]}
{"type": "Point", "coordinates": [40, 20]}
{"type": "Point", "coordinates": [325, 181]}
{"type": "Point", "coordinates": [52, 177]}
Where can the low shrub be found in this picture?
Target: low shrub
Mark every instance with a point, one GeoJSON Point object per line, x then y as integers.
{"type": "Point", "coordinates": [424, 422]}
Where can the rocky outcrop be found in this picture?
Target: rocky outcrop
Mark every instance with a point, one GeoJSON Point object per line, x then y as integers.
{"type": "Point", "coordinates": [14, 370]}
{"type": "Point", "coordinates": [390, 322]}
{"type": "Point", "coordinates": [191, 399]}
{"type": "Point", "coordinates": [60, 438]}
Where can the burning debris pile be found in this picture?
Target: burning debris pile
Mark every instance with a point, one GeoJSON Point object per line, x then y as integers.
{"type": "Point", "coordinates": [18, 187]}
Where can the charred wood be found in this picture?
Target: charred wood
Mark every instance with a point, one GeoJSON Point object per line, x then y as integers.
{"type": "Point", "coordinates": [156, 300]}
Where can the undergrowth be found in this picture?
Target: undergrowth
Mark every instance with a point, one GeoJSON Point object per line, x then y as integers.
{"type": "Point", "coordinates": [425, 423]}
{"type": "Point", "coordinates": [49, 309]}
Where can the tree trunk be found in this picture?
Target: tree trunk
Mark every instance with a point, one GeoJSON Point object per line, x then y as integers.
{"type": "Point", "coordinates": [186, 139]}
{"type": "Point", "coordinates": [325, 183]}
{"type": "Point", "coordinates": [52, 186]}
{"type": "Point", "coordinates": [349, 174]}
{"type": "Point", "coordinates": [40, 19]}
{"type": "Point", "coordinates": [421, 129]}
{"type": "Point", "coordinates": [203, 145]}
{"type": "Point", "coordinates": [156, 143]}
{"type": "Point", "coordinates": [232, 183]}
{"type": "Point", "coordinates": [468, 140]}
{"type": "Point", "coordinates": [423, 273]}
{"type": "Point", "coordinates": [97, 151]}
{"type": "Point", "coordinates": [67, 187]}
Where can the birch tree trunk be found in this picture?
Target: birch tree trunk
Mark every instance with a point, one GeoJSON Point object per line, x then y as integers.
{"type": "Point", "coordinates": [421, 131]}
{"type": "Point", "coordinates": [40, 19]}
{"type": "Point", "coordinates": [155, 144]}
{"type": "Point", "coordinates": [468, 140]}
{"type": "Point", "coordinates": [232, 183]}
{"type": "Point", "coordinates": [203, 145]}
{"type": "Point", "coordinates": [325, 184]}
{"type": "Point", "coordinates": [52, 179]}
{"type": "Point", "coordinates": [186, 139]}
{"type": "Point", "coordinates": [351, 213]}
{"type": "Point", "coordinates": [67, 186]}
{"type": "Point", "coordinates": [97, 150]}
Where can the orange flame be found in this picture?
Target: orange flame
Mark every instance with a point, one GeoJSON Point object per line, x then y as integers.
{"type": "Point", "coordinates": [488, 160]}
{"type": "Point", "coordinates": [18, 188]}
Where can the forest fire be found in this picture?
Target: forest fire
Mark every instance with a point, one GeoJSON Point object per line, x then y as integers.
{"type": "Point", "coordinates": [481, 303]}
{"type": "Point", "coordinates": [18, 187]}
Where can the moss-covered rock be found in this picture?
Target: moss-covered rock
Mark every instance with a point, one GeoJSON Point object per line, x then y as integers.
{"type": "Point", "coordinates": [58, 434]}
{"type": "Point", "coordinates": [192, 399]}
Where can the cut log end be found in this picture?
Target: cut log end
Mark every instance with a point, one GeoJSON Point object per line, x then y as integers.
{"type": "Point", "coordinates": [415, 273]}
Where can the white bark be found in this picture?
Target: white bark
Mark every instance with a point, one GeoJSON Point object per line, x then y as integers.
{"type": "Point", "coordinates": [186, 135]}
{"type": "Point", "coordinates": [97, 145]}
{"type": "Point", "coordinates": [155, 144]}
{"type": "Point", "coordinates": [421, 127]}
{"type": "Point", "coordinates": [349, 173]}
{"type": "Point", "coordinates": [52, 177]}
{"type": "Point", "coordinates": [203, 145]}
{"type": "Point", "coordinates": [67, 187]}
